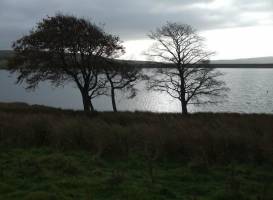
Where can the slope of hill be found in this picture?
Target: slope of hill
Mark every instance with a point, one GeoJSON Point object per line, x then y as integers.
{"type": "Point", "coordinates": [4, 55]}
{"type": "Point", "coordinates": [258, 60]}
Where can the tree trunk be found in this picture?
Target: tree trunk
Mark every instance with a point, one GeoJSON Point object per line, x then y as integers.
{"type": "Point", "coordinates": [113, 99]}
{"type": "Point", "coordinates": [87, 103]}
{"type": "Point", "coordinates": [184, 107]}
{"type": "Point", "coordinates": [91, 106]}
{"type": "Point", "coordinates": [183, 101]}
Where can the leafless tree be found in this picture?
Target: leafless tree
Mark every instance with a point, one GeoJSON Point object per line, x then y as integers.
{"type": "Point", "coordinates": [186, 75]}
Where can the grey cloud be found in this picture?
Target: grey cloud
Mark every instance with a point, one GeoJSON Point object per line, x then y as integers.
{"type": "Point", "coordinates": [261, 5]}
{"type": "Point", "coordinates": [129, 19]}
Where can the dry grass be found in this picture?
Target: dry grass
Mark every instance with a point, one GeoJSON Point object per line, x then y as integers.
{"type": "Point", "coordinates": [198, 138]}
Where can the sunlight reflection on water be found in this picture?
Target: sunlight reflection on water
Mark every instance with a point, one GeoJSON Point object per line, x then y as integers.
{"type": "Point", "coordinates": [251, 91]}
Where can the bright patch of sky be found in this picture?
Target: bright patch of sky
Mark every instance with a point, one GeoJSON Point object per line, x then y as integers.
{"type": "Point", "coordinates": [227, 43]}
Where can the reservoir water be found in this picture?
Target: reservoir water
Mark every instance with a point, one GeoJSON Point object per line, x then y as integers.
{"type": "Point", "coordinates": [251, 91]}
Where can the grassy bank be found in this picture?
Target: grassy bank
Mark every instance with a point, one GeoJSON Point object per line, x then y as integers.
{"type": "Point", "coordinates": [49, 153]}
{"type": "Point", "coordinates": [34, 174]}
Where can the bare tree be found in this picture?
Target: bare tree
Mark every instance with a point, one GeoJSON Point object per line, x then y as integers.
{"type": "Point", "coordinates": [186, 75]}
{"type": "Point", "coordinates": [121, 76]}
{"type": "Point", "coordinates": [65, 48]}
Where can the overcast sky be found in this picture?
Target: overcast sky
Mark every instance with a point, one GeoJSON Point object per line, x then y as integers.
{"type": "Point", "coordinates": [233, 28]}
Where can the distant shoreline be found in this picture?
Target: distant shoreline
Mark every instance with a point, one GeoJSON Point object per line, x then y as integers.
{"type": "Point", "coordinates": [238, 63]}
{"type": "Point", "coordinates": [240, 66]}
{"type": "Point", "coordinates": [216, 66]}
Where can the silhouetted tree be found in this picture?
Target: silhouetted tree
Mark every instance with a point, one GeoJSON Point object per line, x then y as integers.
{"type": "Point", "coordinates": [65, 48]}
{"type": "Point", "coordinates": [121, 76]}
{"type": "Point", "coordinates": [188, 78]}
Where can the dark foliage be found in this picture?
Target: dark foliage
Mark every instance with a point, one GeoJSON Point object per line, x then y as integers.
{"type": "Point", "coordinates": [65, 48]}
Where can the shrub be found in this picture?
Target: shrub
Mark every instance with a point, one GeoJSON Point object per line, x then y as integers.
{"type": "Point", "coordinates": [206, 137]}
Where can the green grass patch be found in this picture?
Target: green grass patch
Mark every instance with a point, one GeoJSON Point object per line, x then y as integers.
{"type": "Point", "coordinates": [48, 153]}
{"type": "Point", "coordinates": [45, 174]}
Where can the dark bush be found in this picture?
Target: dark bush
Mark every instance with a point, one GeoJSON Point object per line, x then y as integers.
{"type": "Point", "coordinates": [206, 138]}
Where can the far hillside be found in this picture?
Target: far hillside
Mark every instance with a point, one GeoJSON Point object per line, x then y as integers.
{"type": "Point", "coordinates": [259, 62]}
{"type": "Point", "coordinates": [4, 55]}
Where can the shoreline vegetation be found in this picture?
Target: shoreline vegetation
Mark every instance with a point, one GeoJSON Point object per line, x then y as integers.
{"type": "Point", "coordinates": [49, 153]}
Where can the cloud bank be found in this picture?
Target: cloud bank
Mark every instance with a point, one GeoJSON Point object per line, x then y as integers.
{"type": "Point", "coordinates": [133, 19]}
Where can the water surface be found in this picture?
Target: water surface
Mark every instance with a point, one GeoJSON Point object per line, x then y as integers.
{"type": "Point", "coordinates": [251, 91]}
